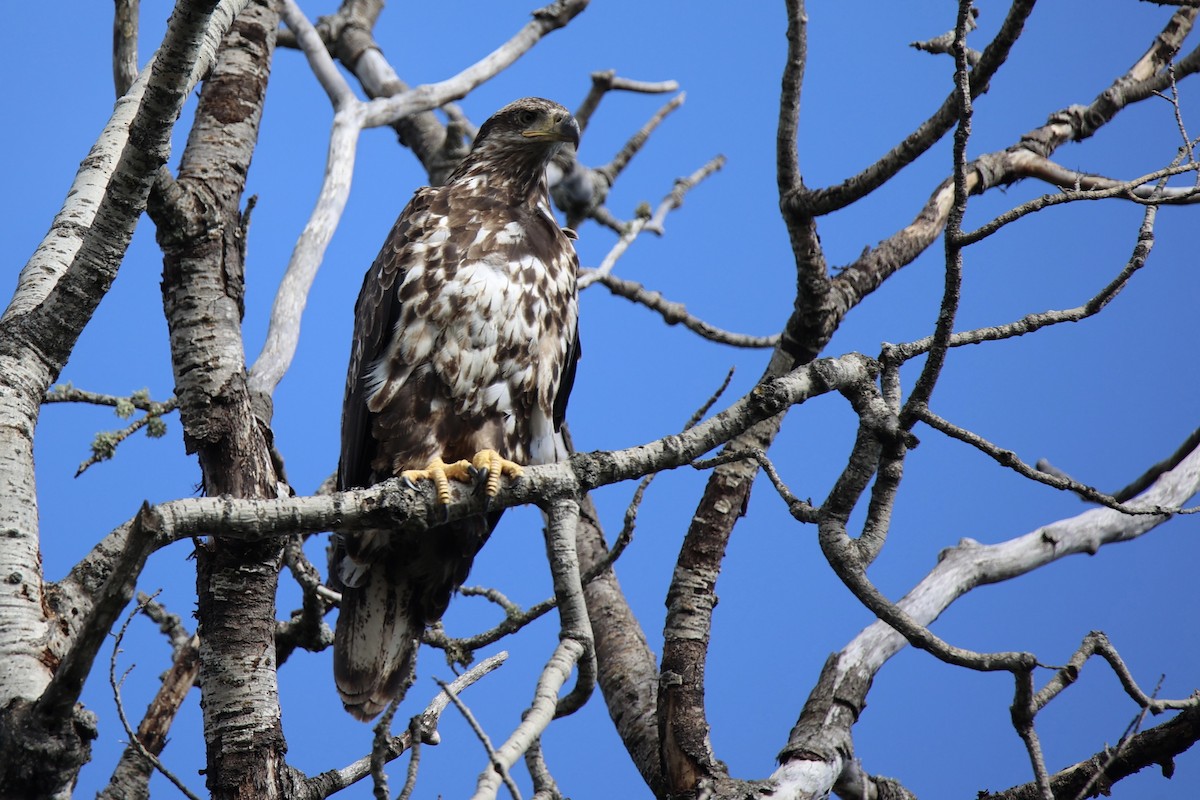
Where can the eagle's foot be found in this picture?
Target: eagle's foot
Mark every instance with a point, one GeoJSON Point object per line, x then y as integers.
{"type": "Point", "coordinates": [494, 466]}
{"type": "Point", "coordinates": [440, 473]}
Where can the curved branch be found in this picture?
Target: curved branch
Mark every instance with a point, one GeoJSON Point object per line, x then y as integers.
{"type": "Point", "coordinates": [384, 111]}
{"type": "Point", "coordinates": [676, 313]}
{"type": "Point", "coordinates": [818, 202]}
{"type": "Point", "coordinates": [818, 743]}
{"type": "Point", "coordinates": [608, 81]}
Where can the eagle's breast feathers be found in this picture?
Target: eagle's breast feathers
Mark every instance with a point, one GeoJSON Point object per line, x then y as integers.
{"type": "Point", "coordinates": [486, 315]}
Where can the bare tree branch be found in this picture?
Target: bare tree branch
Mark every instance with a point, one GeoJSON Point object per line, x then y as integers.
{"type": "Point", "coordinates": [498, 765]}
{"type": "Point", "coordinates": [818, 743]}
{"type": "Point", "coordinates": [609, 81]}
{"type": "Point", "coordinates": [653, 222]}
{"type": "Point", "coordinates": [535, 719]}
{"type": "Point", "coordinates": [135, 740]}
{"type": "Point", "coordinates": [125, 45]}
{"type": "Point", "coordinates": [328, 783]}
{"type": "Point", "coordinates": [823, 201]}
{"type": "Point", "coordinates": [1009, 459]}
{"type": "Point", "coordinates": [1155, 747]}
{"type": "Point", "coordinates": [676, 313]}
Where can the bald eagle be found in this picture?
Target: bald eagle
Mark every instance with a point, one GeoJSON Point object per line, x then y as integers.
{"type": "Point", "coordinates": [464, 352]}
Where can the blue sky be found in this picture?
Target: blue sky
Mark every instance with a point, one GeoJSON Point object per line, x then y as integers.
{"type": "Point", "coordinates": [1101, 399]}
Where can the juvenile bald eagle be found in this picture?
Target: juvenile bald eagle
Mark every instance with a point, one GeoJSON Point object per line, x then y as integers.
{"type": "Point", "coordinates": [464, 351]}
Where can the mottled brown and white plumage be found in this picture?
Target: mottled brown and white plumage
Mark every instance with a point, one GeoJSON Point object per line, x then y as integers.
{"type": "Point", "coordinates": [465, 340]}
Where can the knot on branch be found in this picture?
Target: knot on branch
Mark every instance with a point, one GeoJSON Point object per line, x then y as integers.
{"type": "Point", "coordinates": [560, 12]}
{"type": "Point", "coordinates": [43, 752]}
{"type": "Point", "coordinates": [353, 40]}
{"type": "Point", "coordinates": [991, 169]}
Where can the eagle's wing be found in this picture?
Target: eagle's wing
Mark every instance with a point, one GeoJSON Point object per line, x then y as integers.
{"type": "Point", "coordinates": [375, 632]}
{"type": "Point", "coordinates": [563, 394]}
{"type": "Point", "coordinates": [375, 317]}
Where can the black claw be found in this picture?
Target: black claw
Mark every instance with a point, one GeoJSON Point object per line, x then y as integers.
{"type": "Point", "coordinates": [408, 482]}
{"type": "Point", "coordinates": [445, 513]}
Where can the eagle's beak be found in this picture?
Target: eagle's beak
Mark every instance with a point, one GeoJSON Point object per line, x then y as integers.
{"type": "Point", "coordinates": [560, 128]}
{"type": "Point", "coordinates": [567, 130]}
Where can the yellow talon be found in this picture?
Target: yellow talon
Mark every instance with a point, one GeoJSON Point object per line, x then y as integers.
{"type": "Point", "coordinates": [496, 466]}
{"type": "Point", "coordinates": [440, 473]}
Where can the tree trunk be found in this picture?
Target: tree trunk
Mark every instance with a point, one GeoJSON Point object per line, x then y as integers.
{"type": "Point", "coordinates": [201, 230]}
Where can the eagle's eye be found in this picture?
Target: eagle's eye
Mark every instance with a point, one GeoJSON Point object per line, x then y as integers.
{"type": "Point", "coordinates": [526, 117]}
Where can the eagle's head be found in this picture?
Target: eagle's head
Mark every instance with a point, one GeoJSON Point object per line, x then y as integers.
{"type": "Point", "coordinates": [517, 142]}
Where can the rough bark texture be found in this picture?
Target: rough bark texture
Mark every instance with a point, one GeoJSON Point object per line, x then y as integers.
{"type": "Point", "coordinates": [628, 674]}
{"type": "Point", "coordinates": [201, 231]}
{"type": "Point", "coordinates": [686, 753]}
{"type": "Point", "coordinates": [57, 293]}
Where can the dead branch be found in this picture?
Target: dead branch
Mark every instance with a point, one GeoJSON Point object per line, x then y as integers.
{"type": "Point", "coordinates": [676, 313]}
{"type": "Point", "coordinates": [134, 740]}
{"type": "Point", "coordinates": [647, 221]}
{"type": "Point", "coordinates": [815, 745]}
{"type": "Point", "coordinates": [327, 783]}
{"type": "Point", "coordinates": [608, 81]}
{"type": "Point", "coordinates": [498, 765]}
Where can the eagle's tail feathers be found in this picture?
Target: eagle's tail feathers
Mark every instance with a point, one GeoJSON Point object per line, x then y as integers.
{"type": "Point", "coordinates": [374, 645]}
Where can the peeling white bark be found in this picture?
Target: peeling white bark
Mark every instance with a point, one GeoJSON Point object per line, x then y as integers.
{"type": "Point", "coordinates": [83, 248]}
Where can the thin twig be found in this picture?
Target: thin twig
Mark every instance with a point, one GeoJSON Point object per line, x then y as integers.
{"type": "Point", "coordinates": [333, 781]}
{"type": "Point", "coordinates": [604, 82]}
{"type": "Point", "coordinates": [1112, 754]}
{"type": "Point", "coordinates": [645, 220]}
{"type": "Point", "coordinates": [105, 443]}
{"type": "Point", "coordinates": [676, 313]}
{"type": "Point", "coordinates": [1078, 186]}
{"type": "Point", "coordinates": [1008, 458]}
{"type": "Point", "coordinates": [1097, 643]}
{"type": "Point", "coordinates": [1174, 100]}
{"type": "Point", "coordinates": [537, 717]}
{"type": "Point", "coordinates": [631, 511]}
{"type": "Point", "coordinates": [897, 354]}
{"type": "Point", "coordinates": [134, 741]}
{"type": "Point", "coordinates": [498, 765]}
{"type": "Point", "coordinates": [801, 510]}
